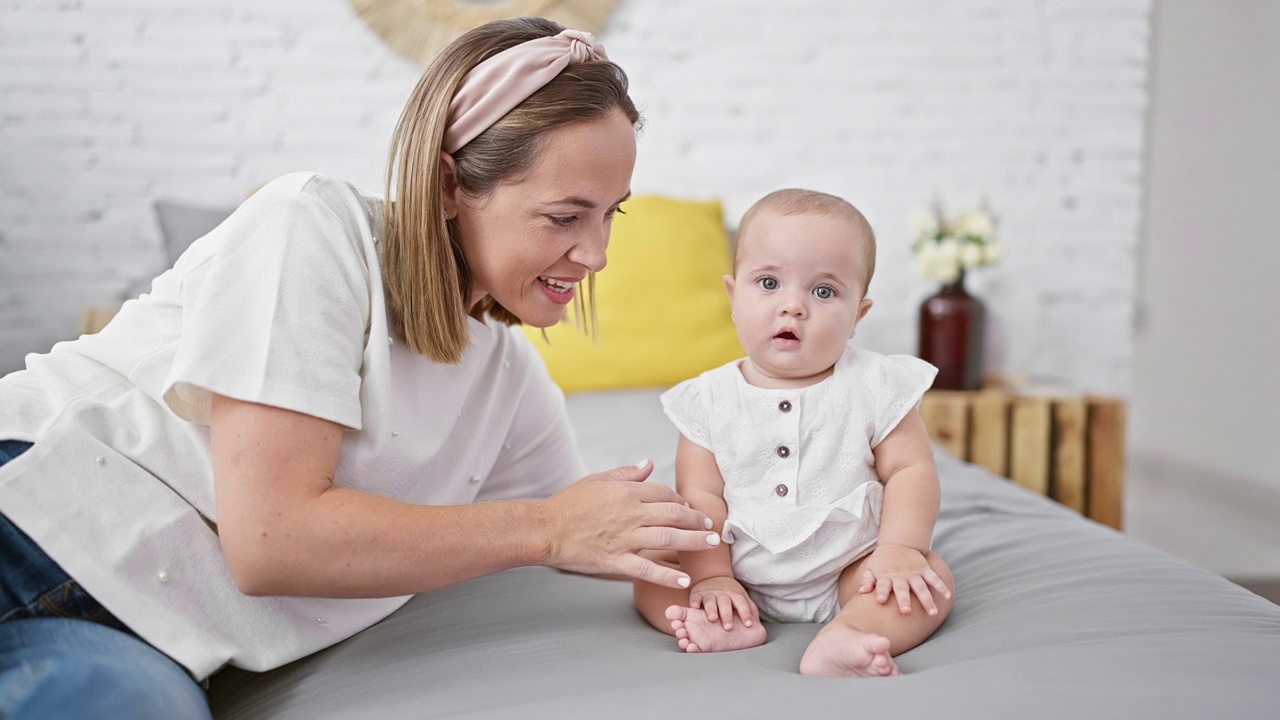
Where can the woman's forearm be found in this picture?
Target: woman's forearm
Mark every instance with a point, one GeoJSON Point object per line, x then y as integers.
{"type": "Point", "coordinates": [347, 543]}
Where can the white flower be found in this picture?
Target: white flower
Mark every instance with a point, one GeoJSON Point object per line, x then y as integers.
{"type": "Point", "coordinates": [925, 259]}
{"type": "Point", "coordinates": [975, 223]}
{"type": "Point", "coordinates": [993, 250]}
{"type": "Point", "coordinates": [949, 248]}
{"type": "Point", "coordinates": [923, 224]}
{"type": "Point", "coordinates": [923, 267]}
{"type": "Point", "coordinates": [946, 245]}
{"type": "Point", "coordinates": [938, 261]}
{"type": "Point", "coordinates": [947, 270]}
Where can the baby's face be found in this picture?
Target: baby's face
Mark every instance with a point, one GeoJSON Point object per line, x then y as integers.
{"type": "Point", "coordinates": [797, 295]}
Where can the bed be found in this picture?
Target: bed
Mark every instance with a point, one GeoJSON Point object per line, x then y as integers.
{"type": "Point", "coordinates": [1057, 616]}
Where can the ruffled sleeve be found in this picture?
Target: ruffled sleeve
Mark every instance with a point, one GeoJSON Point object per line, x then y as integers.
{"type": "Point", "coordinates": [897, 382]}
{"type": "Point", "coordinates": [686, 407]}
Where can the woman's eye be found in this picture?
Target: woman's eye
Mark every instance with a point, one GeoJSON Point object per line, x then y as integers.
{"type": "Point", "coordinates": [824, 292]}
{"type": "Point", "coordinates": [615, 211]}
{"type": "Point", "coordinates": [769, 283]}
{"type": "Point", "coordinates": [563, 220]}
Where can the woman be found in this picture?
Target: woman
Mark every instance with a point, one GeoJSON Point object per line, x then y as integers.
{"type": "Point", "coordinates": [321, 409]}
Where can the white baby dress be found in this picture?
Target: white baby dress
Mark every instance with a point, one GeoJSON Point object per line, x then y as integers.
{"type": "Point", "coordinates": [799, 475]}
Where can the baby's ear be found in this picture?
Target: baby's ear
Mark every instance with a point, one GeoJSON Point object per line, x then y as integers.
{"type": "Point", "coordinates": [728, 286]}
{"type": "Point", "coordinates": [863, 307]}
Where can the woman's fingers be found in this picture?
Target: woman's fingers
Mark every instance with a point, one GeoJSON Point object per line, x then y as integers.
{"type": "Point", "coordinates": [667, 538]}
{"type": "Point", "coordinates": [675, 515]}
{"type": "Point", "coordinates": [597, 525]}
{"type": "Point", "coordinates": [651, 572]}
{"type": "Point", "coordinates": [663, 505]}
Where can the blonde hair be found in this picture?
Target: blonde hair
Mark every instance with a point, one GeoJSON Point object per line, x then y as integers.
{"type": "Point", "coordinates": [428, 283]}
{"type": "Point", "coordinates": [794, 201]}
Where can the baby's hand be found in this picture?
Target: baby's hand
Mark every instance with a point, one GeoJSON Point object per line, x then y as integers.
{"type": "Point", "coordinates": [719, 597]}
{"type": "Point", "coordinates": [900, 570]}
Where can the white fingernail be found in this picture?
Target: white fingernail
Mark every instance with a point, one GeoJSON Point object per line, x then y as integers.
{"type": "Point", "coordinates": [683, 582]}
{"type": "Point", "coordinates": [642, 463]}
{"type": "Point", "coordinates": [713, 539]}
{"type": "Point", "coordinates": [706, 523]}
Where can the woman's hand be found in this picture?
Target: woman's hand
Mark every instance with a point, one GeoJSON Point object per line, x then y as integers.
{"type": "Point", "coordinates": [720, 598]}
{"type": "Point", "coordinates": [901, 570]}
{"type": "Point", "coordinates": [598, 526]}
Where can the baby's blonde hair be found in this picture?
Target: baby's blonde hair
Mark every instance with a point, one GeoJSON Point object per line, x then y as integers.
{"type": "Point", "coordinates": [795, 201]}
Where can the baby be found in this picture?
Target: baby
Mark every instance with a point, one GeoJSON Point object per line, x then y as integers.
{"type": "Point", "coordinates": [810, 457]}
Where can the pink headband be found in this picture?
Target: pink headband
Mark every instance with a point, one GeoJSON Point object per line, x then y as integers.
{"type": "Point", "coordinates": [496, 86]}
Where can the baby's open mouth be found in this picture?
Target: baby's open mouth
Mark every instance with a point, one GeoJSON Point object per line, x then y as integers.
{"type": "Point", "coordinates": [786, 335]}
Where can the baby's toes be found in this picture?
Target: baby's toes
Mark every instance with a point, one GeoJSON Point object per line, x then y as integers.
{"type": "Point", "coordinates": [886, 666]}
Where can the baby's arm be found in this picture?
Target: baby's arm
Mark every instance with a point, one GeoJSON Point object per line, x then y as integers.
{"type": "Point", "coordinates": [712, 585]}
{"type": "Point", "coordinates": [904, 462]}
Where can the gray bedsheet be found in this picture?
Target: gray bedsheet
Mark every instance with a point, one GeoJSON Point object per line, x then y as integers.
{"type": "Point", "coordinates": [1055, 617]}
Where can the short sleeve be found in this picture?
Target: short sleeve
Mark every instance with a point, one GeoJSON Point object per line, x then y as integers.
{"type": "Point", "coordinates": [276, 312]}
{"type": "Point", "coordinates": [540, 454]}
{"type": "Point", "coordinates": [685, 407]}
{"type": "Point", "coordinates": [897, 382]}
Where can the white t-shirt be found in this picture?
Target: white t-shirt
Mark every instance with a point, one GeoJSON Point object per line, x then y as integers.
{"type": "Point", "coordinates": [799, 473]}
{"type": "Point", "coordinates": [282, 304]}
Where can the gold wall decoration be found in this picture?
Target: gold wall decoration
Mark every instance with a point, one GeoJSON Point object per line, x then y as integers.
{"type": "Point", "coordinates": [420, 29]}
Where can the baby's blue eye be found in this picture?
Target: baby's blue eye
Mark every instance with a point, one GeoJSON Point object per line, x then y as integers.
{"type": "Point", "coordinates": [768, 283]}
{"type": "Point", "coordinates": [824, 292]}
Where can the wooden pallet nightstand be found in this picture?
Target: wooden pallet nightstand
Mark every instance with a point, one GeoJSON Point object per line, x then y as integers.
{"type": "Point", "coordinates": [93, 319]}
{"type": "Point", "coordinates": [1068, 448]}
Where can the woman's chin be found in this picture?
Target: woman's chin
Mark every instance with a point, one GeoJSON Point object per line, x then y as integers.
{"type": "Point", "coordinates": [540, 317]}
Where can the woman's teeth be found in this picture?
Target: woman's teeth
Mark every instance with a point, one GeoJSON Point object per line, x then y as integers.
{"type": "Point", "coordinates": [560, 287]}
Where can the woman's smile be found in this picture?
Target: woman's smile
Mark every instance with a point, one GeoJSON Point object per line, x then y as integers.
{"type": "Point", "coordinates": [559, 290]}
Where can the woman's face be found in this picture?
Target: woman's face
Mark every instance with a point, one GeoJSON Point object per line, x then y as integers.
{"type": "Point", "coordinates": [530, 242]}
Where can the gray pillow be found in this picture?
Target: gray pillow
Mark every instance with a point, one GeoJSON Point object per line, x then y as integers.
{"type": "Point", "coordinates": [181, 224]}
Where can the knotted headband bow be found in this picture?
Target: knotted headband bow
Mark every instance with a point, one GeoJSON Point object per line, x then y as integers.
{"type": "Point", "coordinates": [496, 86]}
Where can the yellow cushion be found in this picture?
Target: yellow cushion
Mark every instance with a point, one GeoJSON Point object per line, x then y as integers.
{"type": "Point", "coordinates": [661, 305]}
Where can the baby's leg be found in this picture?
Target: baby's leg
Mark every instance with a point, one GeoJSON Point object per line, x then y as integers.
{"type": "Point", "coordinates": [667, 609]}
{"type": "Point", "coordinates": [863, 638]}
{"type": "Point", "coordinates": [653, 600]}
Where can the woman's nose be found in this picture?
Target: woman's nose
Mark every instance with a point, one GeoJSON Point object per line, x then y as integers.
{"type": "Point", "coordinates": [590, 252]}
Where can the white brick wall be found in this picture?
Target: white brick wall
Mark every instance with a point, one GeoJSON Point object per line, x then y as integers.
{"type": "Point", "coordinates": [107, 105]}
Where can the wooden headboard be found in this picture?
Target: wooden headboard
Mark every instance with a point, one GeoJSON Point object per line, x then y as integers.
{"type": "Point", "coordinates": [1068, 448]}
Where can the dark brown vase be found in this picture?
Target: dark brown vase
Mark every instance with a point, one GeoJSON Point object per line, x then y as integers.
{"type": "Point", "coordinates": [952, 328]}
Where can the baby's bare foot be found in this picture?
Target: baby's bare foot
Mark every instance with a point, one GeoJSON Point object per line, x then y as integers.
{"type": "Point", "coordinates": [841, 651]}
{"type": "Point", "coordinates": [695, 633]}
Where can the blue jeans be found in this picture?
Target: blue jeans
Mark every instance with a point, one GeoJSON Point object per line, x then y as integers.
{"type": "Point", "coordinates": [62, 655]}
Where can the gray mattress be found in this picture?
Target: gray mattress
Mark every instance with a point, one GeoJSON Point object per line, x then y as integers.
{"type": "Point", "coordinates": [1055, 617]}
